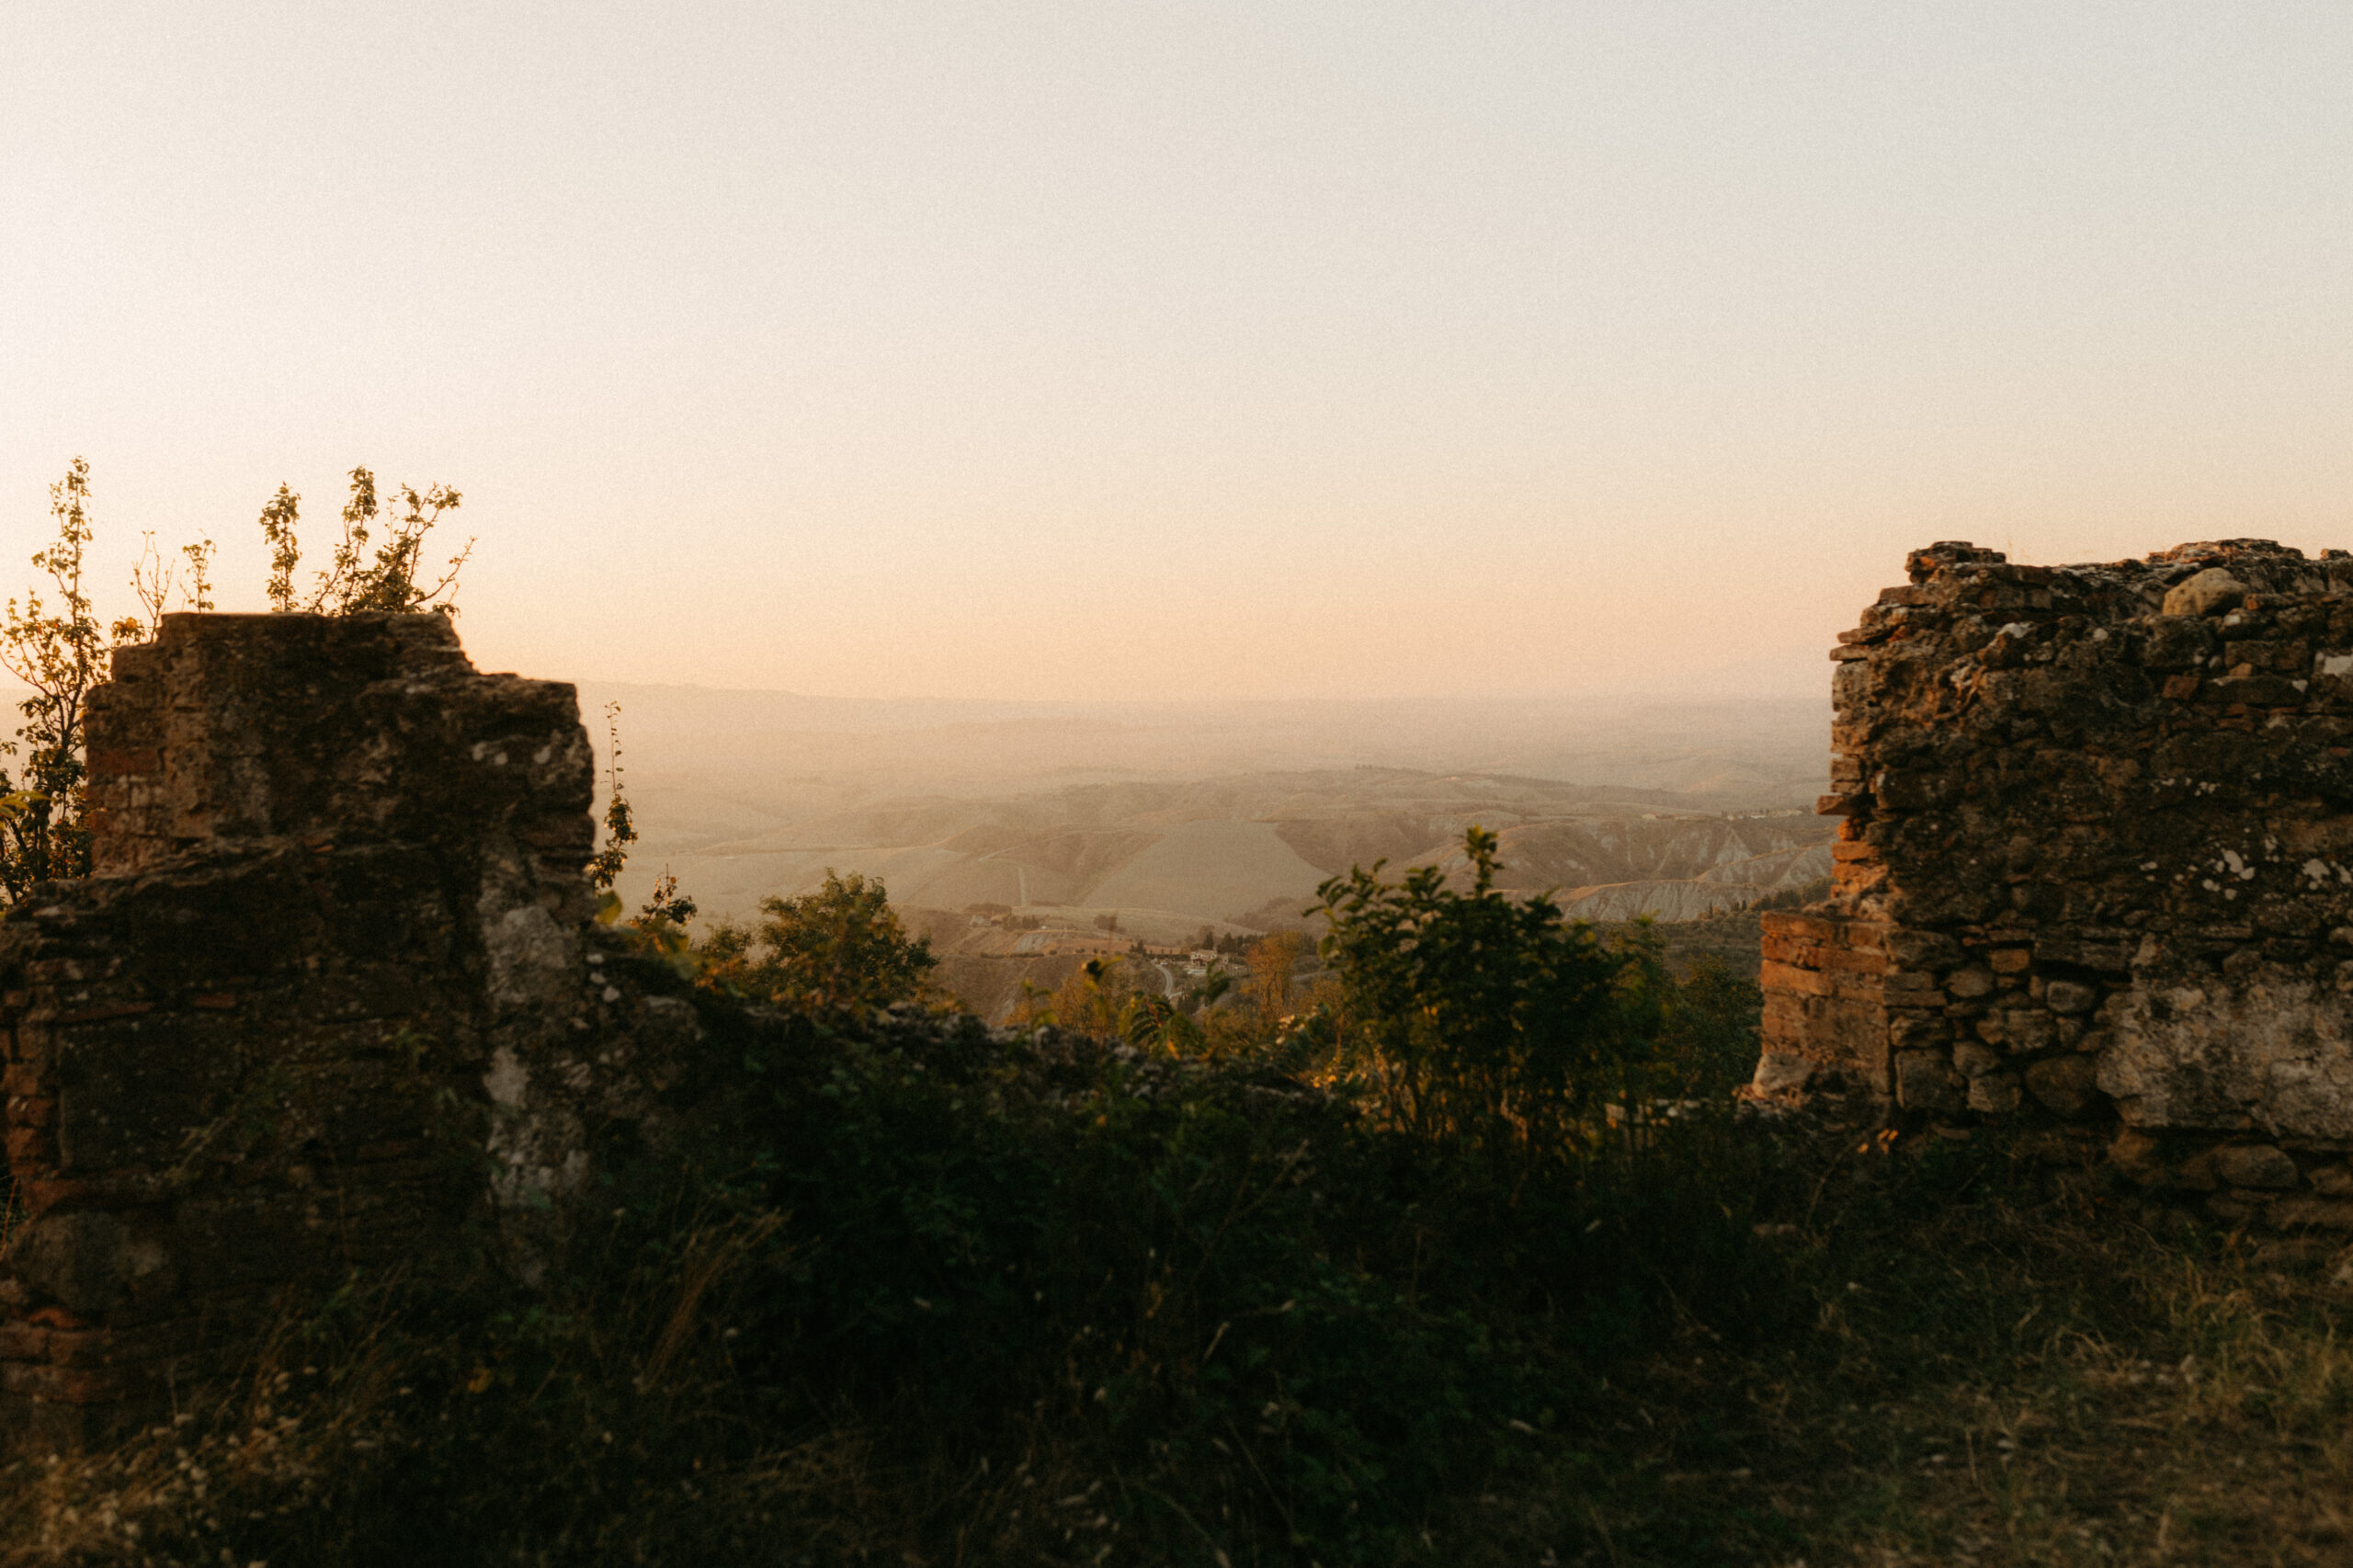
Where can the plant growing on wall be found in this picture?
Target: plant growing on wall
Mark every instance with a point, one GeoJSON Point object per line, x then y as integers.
{"type": "Point", "coordinates": [54, 645]}
{"type": "Point", "coordinates": [668, 909]}
{"type": "Point", "coordinates": [53, 642]}
{"type": "Point", "coordinates": [605, 868]}
{"type": "Point", "coordinates": [393, 579]}
{"type": "Point", "coordinates": [153, 577]}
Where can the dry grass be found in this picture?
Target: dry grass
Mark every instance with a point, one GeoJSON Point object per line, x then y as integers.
{"type": "Point", "coordinates": [1971, 1361]}
{"type": "Point", "coordinates": [2032, 1378]}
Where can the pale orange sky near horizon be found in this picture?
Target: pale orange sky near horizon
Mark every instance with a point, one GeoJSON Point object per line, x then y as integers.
{"type": "Point", "coordinates": [1182, 350]}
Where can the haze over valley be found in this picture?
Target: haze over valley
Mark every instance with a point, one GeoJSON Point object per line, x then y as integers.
{"type": "Point", "coordinates": [1176, 817]}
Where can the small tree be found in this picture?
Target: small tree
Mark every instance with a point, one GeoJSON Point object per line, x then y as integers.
{"type": "Point", "coordinates": [1271, 961]}
{"type": "Point", "coordinates": [153, 577]}
{"type": "Point", "coordinates": [54, 646]}
{"type": "Point", "coordinates": [604, 869]}
{"type": "Point", "coordinates": [1098, 998]}
{"type": "Point", "coordinates": [841, 946]}
{"type": "Point", "coordinates": [1153, 1022]}
{"type": "Point", "coordinates": [1476, 1019]}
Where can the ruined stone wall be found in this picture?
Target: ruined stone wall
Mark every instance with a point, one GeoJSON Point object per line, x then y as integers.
{"type": "Point", "coordinates": [334, 999]}
{"type": "Point", "coordinates": [2097, 864]}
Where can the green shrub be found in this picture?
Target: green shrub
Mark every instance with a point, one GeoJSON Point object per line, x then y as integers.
{"type": "Point", "coordinates": [839, 947]}
{"type": "Point", "coordinates": [1481, 1020]}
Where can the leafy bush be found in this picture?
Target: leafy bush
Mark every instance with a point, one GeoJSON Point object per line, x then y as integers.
{"type": "Point", "coordinates": [840, 947]}
{"type": "Point", "coordinates": [1477, 1019]}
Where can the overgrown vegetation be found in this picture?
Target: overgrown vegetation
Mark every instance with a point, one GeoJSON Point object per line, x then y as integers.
{"type": "Point", "coordinates": [839, 947]}
{"type": "Point", "coordinates": [662, 920]}
{"type": "Point", "coordinates": [54, 641]}
{"type": "Point", "coordinates": [1480, 1023]}
{"type": "Point", "coordinates": [1043, 1295]}
{"type": "Point", "coordinates": [53, 646]}
{"type": "Point", "coordinates": [926, 1295]}
{"type": "Point", "coordinates": [1942, 1355]}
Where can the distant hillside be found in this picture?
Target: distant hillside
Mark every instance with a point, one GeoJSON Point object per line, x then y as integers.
{"type": "Point", "coordinates": [749, 753]}
{"type": "Point", "coordinates": [1248, 852]}
{"type": "Point", "coordinates": [1673, 865]}
{"type": "Point", "coordinates": [1177, 814]}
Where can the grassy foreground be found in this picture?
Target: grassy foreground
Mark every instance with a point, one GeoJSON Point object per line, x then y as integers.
{"type": "Point", "coordinates": [922, 1298]}
{"type": "Point", "coordinates": [2001, 1368]}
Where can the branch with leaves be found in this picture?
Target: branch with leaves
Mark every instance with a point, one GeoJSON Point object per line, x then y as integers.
{"type": "Point", "coordinates": [391, 580]}
{"type": "Point", "coordinates": [153, 577]}
{"type": "Point", "coordinates": [55, 645]}
{"type": "Point", "coordinates": [605, 868]}
{"type": "Point", "coordinates": [668, 908]}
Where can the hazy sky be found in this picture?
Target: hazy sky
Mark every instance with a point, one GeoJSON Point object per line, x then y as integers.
{"type": "Point", "coordinates": [1120, 350]}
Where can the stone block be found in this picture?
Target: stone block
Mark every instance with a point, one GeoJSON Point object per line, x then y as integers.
{"type": "Point", "coordinates": [1796, 980]}
{"type": "Point", "coordinates": [2331, 1181]}
{"type": "Point", "coordinates": [2026, 1029]}
{"type": "Point", "coordinates": [2066, 1085]}
{"type": "Point", "coordinates": [1972, 1060]}
{"type": "Point", "coordinates": [2138, 1156]}
{"type": "Point", "coordinates": [1780, 1073]}
{"type": "Point", "coordinates": [1922, 950]}
{"type": "Point", "coordinates": [2070, 996]}
{"type": "Point", "coordinates": [2297, 1211]}
{"type": "Point", "coordinates": [1915, 1029]}
{"type": "Point", "coordinates": [1925, 1081]}
{"type": "Point", "coordinates": [2205, 593]}
{"type": "Point", "coordinates": [1970, 984]}
{"type": "Point", "coordinates": [1994, 1094]}
{"type": "Point", "coordinates": [2255, 1165]}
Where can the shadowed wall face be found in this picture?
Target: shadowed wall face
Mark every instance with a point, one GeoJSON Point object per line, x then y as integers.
{"type": "Point", "coordinates": [255, 726]}
{"type": "Point", "coordinates": [339, 893]}
{"type": "Point", "coordinates": [2097, 858]}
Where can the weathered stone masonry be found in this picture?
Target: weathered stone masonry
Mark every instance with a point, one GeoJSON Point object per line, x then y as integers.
{"type": "Point", "coordinates": [332, 997]}
{"type": "Point", "coordinates": [2097, 864]}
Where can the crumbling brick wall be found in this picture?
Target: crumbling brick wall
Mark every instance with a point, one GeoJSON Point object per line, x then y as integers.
{"type": "Point", "coordinates": [334, 998]}
{"type": "Point", "coordinates": [2095, 864]}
